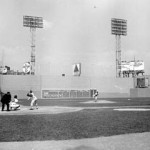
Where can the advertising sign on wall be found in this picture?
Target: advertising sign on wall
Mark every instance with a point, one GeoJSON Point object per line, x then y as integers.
{"type": "Point", "coordinates": [76, 69]}
{"type": "Point", "coordinates": [58, 94]}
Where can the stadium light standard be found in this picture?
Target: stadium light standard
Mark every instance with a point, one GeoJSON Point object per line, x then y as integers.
{"type": "Point", "coordinates": [32, 22]}
{"type": "Point", "coordinates": [118, 28]}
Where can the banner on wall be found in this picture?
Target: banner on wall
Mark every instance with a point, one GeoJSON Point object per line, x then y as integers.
{"type": "Point", "coordinates": [76, 69]}
{"type": "Point", "coordinates": [59, 94]}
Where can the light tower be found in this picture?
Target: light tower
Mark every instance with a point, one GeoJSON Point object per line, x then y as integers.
{"type": "Point", "coordinates": [118, 28]}
{"type": "Point", "coordinates": [33, 23]}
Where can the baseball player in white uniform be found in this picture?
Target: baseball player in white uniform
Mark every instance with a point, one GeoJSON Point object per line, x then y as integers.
{"type": "Point", "coordinates": [95, 96]}
{"type": "Point", "coordinates": [33, 99]}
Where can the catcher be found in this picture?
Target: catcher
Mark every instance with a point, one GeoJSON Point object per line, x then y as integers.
{"type": "Point", "coordinates": [14, 103]}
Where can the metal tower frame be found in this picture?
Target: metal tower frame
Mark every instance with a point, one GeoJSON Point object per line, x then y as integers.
{"type": "Point", "coordinates": [32, 30]}
{"type": "Point", "coordinates": [118, 28]}
{"type": "Point", "coordinates": [33, 23]}
{"type": "Point", "coordinates": [118, 56]}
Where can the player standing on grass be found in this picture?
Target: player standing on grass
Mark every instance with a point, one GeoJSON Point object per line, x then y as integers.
{"type": "Point", "coordinates": [33, 99]}
{"type": "Point", "coordinates": [95, 95]}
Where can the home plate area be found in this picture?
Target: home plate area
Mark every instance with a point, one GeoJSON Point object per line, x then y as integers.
{"type": "Point", "coordinates": [25, 110]}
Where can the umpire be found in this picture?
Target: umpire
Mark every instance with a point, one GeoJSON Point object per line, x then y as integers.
{"type": "Point", "coordinates": [5, 100]}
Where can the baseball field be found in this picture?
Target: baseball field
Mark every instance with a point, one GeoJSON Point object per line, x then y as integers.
{"type": "Point", "coordinates": [75, 119]}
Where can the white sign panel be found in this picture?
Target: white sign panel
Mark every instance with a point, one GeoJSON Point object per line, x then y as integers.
{"type": "Point", "coordinates": [26, 67]}
{"type": "Point", "coordinates": [132, 66]}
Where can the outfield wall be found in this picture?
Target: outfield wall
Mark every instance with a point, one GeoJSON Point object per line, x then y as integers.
{"type": "Point", "coordinates": [107, 87]}
{"type": "Point", "coordinates": [139, 92]}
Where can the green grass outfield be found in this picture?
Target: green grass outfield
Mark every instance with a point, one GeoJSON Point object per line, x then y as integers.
{"type": "Point", "coordinates": [87, 123]}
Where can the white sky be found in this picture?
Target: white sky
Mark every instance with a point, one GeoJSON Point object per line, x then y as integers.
{"type": "Point", "coordinates": [74, 31]}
